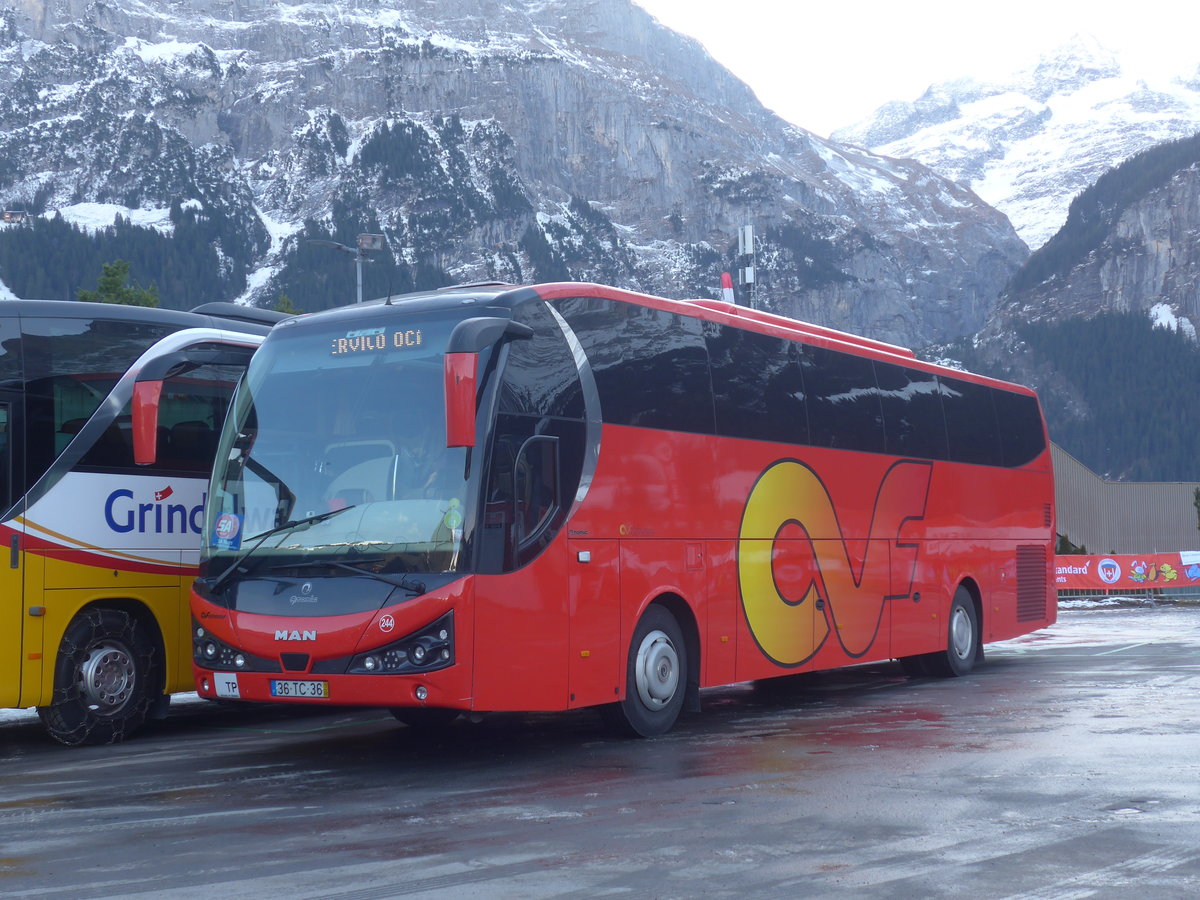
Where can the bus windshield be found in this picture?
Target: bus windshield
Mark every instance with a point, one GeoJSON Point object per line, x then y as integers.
{"type": "Point", "coordinates": [335, 455]}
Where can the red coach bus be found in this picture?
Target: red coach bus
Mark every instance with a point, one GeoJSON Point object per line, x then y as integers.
{"type": "Point", "coordinates": [542, 498]}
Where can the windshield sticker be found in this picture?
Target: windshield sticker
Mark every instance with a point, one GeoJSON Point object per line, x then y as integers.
{"type": "Point", "coordinates": [453, 520]}
{"type": "Point", "coordinates": [373, 340]}
{"type": "Point", "coordinates": [227, 532]}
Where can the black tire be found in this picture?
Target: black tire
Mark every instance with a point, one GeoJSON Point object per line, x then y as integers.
{"type": "Point", "coordinates": [655, 678]}
{"type": "Point", "coordinates": [106, 676]}
{"type": "Point", "coordinates": [962, 639]}
{"type": "Point", "coordinates": [426, 718]}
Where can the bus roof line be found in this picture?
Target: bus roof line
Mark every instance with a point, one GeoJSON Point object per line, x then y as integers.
{"type": "Point", "coordinates": [806, 328]}
{"type": "Point", "coordinates": [689, 307]}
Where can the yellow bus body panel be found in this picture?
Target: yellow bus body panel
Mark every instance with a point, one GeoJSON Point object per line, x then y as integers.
{"type": "Point", "coordinates": [71, 586]}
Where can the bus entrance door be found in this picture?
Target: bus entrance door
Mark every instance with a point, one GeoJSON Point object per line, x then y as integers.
{"type": "Point", "coordinates": [595, 588]}
{"type": "Point", "coordinates": [12, 594]}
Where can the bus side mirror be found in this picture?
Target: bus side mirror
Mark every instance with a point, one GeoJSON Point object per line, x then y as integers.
{"type": "Point", "coordinates": [469, 338]}
{"type": "Point", "coordinates": [144, 414]}
{"type": "Point", "coordinates": [460, 378]}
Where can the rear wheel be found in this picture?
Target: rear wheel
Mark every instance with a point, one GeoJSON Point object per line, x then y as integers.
{"type": "Point", "coordinates": [655, 678]}
{"type": "Point", "coordinates": [962, 639]}
{"type": "Point", "coordinates": [105, 675]}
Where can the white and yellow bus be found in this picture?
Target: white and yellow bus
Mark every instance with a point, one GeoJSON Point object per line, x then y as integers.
{"type": "Point", "coordinates": [94, 626]}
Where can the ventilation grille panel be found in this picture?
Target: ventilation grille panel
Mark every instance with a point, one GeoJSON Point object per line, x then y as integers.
{"type": "Point", "coordinates": [1031, 582]}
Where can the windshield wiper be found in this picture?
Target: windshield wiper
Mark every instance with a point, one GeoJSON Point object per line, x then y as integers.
{"type": "Point", "coordinates": [291, 525]}
{"type": "Point", "coordinates": [415, 588]}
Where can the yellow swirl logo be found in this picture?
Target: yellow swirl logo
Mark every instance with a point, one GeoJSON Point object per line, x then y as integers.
{"type": "Point", "coordinates": [793, 553]}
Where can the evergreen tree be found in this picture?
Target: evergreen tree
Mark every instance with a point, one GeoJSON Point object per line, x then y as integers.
{"type": "Point", "coordinates": [113, 289]}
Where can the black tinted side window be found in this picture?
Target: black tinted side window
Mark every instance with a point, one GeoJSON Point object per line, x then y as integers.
{"type": "Point", "coordinates": [10, 352]}
{"type": "Point", "coordinates": [970, 422]}
{"type": "Point", "coordinates": [1022, 437]}
{"type": "Point", "coordinates": [913, 422]}
{"type": "Point", "coordinates": [843, 401]}
{"type": "Point", "coordinates": [758, 385]}
{"type": "Point", "coordinates": [540, 377]}
{"type": "Point", "coordinates": [651, 367]}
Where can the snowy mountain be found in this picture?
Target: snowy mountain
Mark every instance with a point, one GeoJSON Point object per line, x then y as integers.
{"type": "Point", "coordinates": [1029, 143]}
{"type": "Point", "coordinates": [484, 139]}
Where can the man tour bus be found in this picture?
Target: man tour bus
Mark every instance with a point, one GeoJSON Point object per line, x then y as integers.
{"type": "Point", "coordinates": [566, 495]}
{"type": "Point", "coordinates": [102, 552]}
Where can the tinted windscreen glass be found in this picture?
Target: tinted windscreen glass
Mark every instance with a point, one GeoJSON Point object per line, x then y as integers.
{"type": "Point", "coordinates": [191, 410]}
{"type": "Point", "coordinates": [913, 422]}
{"type": "Point", "coordinates": [70, 367]}
{"type": "Point", "coordinates": [346, 423]}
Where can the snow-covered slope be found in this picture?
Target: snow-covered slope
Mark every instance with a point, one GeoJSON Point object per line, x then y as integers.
{"type": "Point", "coordinates": [1028, 143]}
{"type": "Point", "coordinates": [485, 139]}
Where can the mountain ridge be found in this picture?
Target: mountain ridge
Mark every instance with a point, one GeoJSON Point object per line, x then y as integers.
{"type": "Point", "coordinates": [1030, 141]}
{"type": "Point", "coordinates": [533, 132]}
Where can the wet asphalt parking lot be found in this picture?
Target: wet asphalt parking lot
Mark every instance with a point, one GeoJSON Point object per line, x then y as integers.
{"type": "Point", "coordinates": [1068, 766]}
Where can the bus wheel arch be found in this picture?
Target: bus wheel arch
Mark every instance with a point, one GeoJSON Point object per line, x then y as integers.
{"type": "Point", "coordinates": [108, 674]}
{"type": "Point", "coordinates": [964, 634]}
{"type": "Point", "coordinates": [662, 670]}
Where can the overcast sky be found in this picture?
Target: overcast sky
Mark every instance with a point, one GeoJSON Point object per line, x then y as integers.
{"type": "Point", "coordinates": [825, 65]}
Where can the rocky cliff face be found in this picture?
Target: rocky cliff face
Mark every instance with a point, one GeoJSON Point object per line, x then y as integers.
{"type": "Point", "coordinates": [549, 138]}
{"type": "Point", "coordinates": [1148, 261]}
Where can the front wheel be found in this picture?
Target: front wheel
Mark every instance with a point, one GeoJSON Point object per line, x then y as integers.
{"type": "Point", "coordinates": [655, 678]}
{"type": "Point", "coordinates": [102, 679]}
{"type": "Point", "coordinates": [962, 639]}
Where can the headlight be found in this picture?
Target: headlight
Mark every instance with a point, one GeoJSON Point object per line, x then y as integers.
{"type": "Point", "coordinates": [424, 650]}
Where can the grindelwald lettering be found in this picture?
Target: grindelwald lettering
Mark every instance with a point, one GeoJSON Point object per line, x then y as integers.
{"type": "Point", "coordinates": [125, 514]}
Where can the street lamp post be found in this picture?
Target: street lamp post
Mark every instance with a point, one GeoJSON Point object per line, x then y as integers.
{"type": "Point", "coordinates": [365, 242]}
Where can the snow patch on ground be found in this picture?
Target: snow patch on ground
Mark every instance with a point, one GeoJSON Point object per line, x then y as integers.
{"type": "Point", "coordinates": [29, 716]}
{"type": "Point", "coordinates": [97, 216]}
{"type": "Point", "coordinates": [1162, 316]}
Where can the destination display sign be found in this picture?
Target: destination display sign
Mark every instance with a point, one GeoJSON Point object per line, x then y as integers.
{"type": "Point", "coordinates": [375, 340]}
